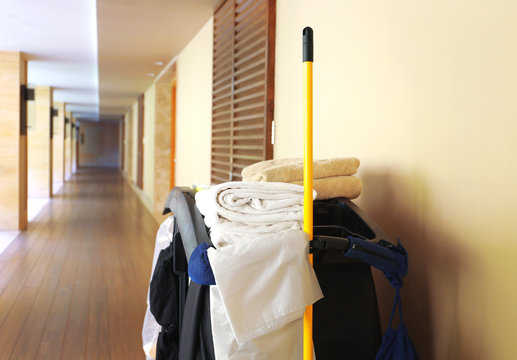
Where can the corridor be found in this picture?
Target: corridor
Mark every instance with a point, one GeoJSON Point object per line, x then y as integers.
{"type": "Point", "coordinates": [74, 285]}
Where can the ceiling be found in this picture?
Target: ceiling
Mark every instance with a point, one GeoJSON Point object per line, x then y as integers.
{"type": "Point", "coordinates": [99, 56]}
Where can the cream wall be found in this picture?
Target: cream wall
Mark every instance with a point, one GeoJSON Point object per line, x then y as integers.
{"type": "Point", "coordinates": [194, 109]}
{"type": "Point", "coordinates": [39, 146]}
{"type": "Point", "coordinates": [157, 130]}
{"type": "Point", "coordinates": [149, 120]}
{"type": "Point", "coordinates": [424, 93]}
{"type": "Point", "coordinates": [193, 123]}
{"type": "Point", "coordinates": [13, 202]}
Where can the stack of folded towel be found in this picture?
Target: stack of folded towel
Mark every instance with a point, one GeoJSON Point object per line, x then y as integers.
{"type": "Point", "coordinates": [263, 279]}
{"type": "Point", "coordinates": [236, 211]}
{"type": "Point", "coordinates": [331, 177]}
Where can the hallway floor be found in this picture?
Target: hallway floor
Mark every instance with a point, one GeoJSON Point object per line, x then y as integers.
{"type": "Point", "coordinates": [74, 285]}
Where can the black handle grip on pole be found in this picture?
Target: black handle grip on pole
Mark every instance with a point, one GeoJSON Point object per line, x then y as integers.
{"type": "Point", "coordinates": [308, 53]}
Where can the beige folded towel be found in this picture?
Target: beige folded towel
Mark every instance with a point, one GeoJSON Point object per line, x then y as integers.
{"type": "Point", "coordinates": [291, 170]}
{"type": "Point", "coordinates": [336, 186]}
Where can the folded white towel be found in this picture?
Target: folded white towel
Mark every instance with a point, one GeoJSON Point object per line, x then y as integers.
{"type": "Point", "coordinates": [264, 285]}
{"type": "Point", "coordinates": [237, 210]}
{"type": "Point", "coordinates": [251, 202]}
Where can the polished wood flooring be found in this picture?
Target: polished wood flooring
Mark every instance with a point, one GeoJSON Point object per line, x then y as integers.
{"type": "Point", "coordinates": [74, 285]}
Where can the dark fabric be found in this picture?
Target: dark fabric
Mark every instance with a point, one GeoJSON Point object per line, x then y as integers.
{"type": "Point", "coordinates": [180, 268]}
{"type": "Point", "coordinates": [196, 341]}
{"type": "Point", "coordinates": [391, 259]}
{"type": "Point", "coordinates": [186, 308]}
{"type": "Point", "coordinates": [167, 293]}
{"type": "Point", "coordinates": [396, 344]}
{"type": "Point", "coordinates": [163, 286]}
{"type": "Point", "coordinates": [167, 347]}
{"type": "Point", "coordinates": [338, 332]}
{"type": "Point", "coordinates": [199, 268]}
{"type": "Point", "coordinates": [346, 321]}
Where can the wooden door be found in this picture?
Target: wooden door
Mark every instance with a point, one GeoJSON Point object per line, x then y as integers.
{"type": "Point", "coordinates": [123, 144]}
{"type": "Point", "coordinates": [140, 150]}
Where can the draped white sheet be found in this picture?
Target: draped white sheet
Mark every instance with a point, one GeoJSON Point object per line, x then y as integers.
{"type": "Point", "coordinates": [263, 286]}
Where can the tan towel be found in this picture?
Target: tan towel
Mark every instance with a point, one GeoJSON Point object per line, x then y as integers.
{"type": "Point", "coordinates": [291, 170]}
{"type": "Point", "coordinates": [336, 186]}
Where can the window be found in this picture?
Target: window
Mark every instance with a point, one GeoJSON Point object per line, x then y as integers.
{"type": "Point", "coordinates": [243, 86]}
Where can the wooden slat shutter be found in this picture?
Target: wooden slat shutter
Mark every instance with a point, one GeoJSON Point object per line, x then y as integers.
{"type": "Point", "coordinates": [243, 86]}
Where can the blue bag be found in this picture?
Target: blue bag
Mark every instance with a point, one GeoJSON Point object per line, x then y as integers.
{"type": "Point", "coordinates": [396, 344]}
{"type": "Point", "coordinates": [392, 260]}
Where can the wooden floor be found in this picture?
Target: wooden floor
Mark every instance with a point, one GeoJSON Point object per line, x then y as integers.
{"type": "Point", "coordinates": [74, 285]}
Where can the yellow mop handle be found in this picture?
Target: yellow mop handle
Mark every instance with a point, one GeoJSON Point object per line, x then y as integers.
{"type": "Point", "coordinates": [307, 172]}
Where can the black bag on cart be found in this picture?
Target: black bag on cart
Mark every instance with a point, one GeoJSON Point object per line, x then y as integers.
{"type": "Point", "coordinates": [181, 309]}
{"type": "Point", "coordinates": [346, 322]}
{"type": "Point", "coordinates": [167, 294]}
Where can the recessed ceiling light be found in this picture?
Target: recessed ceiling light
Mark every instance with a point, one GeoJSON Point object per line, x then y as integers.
{"type": "Point", "coordinates": [150, 74]}
{"type": "Point", "coordinates": [158, 63]}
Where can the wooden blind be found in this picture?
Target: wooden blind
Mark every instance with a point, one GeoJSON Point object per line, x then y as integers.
{"type": "Point", "coordinates": [243, 86]}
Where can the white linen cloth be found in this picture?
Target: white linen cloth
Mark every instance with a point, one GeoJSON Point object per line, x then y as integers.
{"type": "Point", "coordinates": [151, 328]}
{"type": "Point", "coordinates": [264, 284]}
{"type": "Point", "coordinates": [285, 343]}
{"type": "Point", "coordinates": [234, 211]}
{"type": "Point", "coordinates": [228, 233]}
